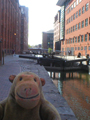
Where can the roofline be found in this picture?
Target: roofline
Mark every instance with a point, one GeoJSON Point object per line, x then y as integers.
{"type": "Point", "coordinates": [60, 2]}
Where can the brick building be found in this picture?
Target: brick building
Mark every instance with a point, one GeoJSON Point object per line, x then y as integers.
{"type": "Point", "coordinates": [57, 42]}
{"type": "Point", "coordinates": [47, 39]}
{"type": "Point", "coordinates": [77, 26]}
{"type": "Point", "coordinates": [10, 26]}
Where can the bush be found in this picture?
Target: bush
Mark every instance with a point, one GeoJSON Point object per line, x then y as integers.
{"type": "Point", "coordinates": [49, 50]}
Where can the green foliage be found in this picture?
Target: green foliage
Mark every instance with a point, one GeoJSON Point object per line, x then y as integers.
{"type": "Point", "coordinates": [29, 46]}
{"type": "Point", "coordinates": [49, 50]}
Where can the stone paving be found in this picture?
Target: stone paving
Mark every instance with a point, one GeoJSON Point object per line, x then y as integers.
{"type": "Point", "coordinates": [15, 65]}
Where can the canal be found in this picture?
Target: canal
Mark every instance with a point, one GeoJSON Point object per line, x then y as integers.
{"type": "Point", "coordinates": [75, 88]}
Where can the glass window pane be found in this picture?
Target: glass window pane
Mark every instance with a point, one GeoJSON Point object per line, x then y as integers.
{"type": "Point", "coordinates": [87, 5]}
{"type": "Point", "coordinates": [82, 37]}
{"type": "Point", "coordinates": [82, 9]}
{"type": "Point", "coordinates": [82, 23]}
{"type": "Point", "coordinates": [86, 22]}
{"type": "Point", "coordinates": [76, 14]}
{"type": "Point", "coordinates": [78, 38]}
{"type": "Point", "coordinates": [85, 37]}
{"type": "Point", "coordinates": [79, 12]}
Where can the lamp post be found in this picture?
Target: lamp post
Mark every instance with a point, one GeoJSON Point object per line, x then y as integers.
{"type": "Point", "coordinates": [15, 41]}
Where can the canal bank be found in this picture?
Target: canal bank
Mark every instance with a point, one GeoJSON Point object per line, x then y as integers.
{"type": "Point", "coordinates": [15, 65]}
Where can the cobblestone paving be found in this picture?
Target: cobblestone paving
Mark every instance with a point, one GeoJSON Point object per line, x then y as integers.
{"type": "Point", "coordinates": [15, 65]}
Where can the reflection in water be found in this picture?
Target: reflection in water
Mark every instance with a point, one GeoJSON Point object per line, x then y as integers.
{"type": "Point", "coordinates": [75, 88]}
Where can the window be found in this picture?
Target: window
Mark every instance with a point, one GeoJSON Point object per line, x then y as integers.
{"type": "Point", "coordinates": [75, 48]}
{"type": "Point", "coordinates": [82, 23]}
{"type": "Point", "coordinates": [74, 5]}
{"type": "Point", "coordinates": [67, 31]}
{"type": "Point", "coordinates": [82, 37]}
{"type": "Point", "coordinates": [71, 18]}
{"type": "Point", "coordinates": [76, 2]}
{"type": "Point", "coordinates": [76, 26]}
{"type": "Point", "coordinates": [86, 22]}
{"type": "Point", "coordinates": [78, 38]}
{"type": "Point", "coordinates": [79, 12]}
{"type": "Point", "coordinates": [66, 41]}
{"type": "Point", "coordinates": [81, 48]}
{"type": "Point", "coordinates": [83, 9]}
{"type": "Point", "coordinates": [80, 1]}
{"type": "Point", "coordinates": [85, 37]}
{"type": "Point", "coordinates": [70, 9]}
{"type": "Point", "coordinates": [62, 42]}
{"type": "Point", "coordinates": [78, 48]}
{"type": "Point", "coordinates": [88, 47]}
{"type": "Point", "coordinates": [87, 5]}
{"type": "Point", "coordinates": [62, 49]}
{"type": "Point", "coordinates": [73, 40]}
{"type": "Point", "coordinates": [79, 25]}
{"type": "Point", "coordinates": [71, 29]}
{"type": "Point", "coordinates": [85, 48]}
{"type": "Point", "coordinates": [76, 14]}
{"type": "Point", "coordinates": [89, 36]}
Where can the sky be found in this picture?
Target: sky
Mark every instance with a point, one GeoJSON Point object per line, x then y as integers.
{"type": "Point", "coordinates": [41, 18]}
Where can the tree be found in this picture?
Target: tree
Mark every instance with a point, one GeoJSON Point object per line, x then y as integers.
{"type": "Point", "coordinates": [49, 50]}
{"type": "Point", "coordinates": [29, 46]}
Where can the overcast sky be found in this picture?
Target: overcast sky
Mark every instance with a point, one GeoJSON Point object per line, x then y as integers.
{"type": "Point", "coordinates": [41, 18]}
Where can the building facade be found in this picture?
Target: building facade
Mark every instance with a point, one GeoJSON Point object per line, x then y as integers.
{"type": "Point", "coordinates": [77, 26]}
{"type": "Point", "coordinates": [57, 42]}
{"type": "Point", "coordinates": [24, 28]}
{"type": "Point", "coordinates": [10, 26]}
{"type": "Point", "coordinates": [47, 39]}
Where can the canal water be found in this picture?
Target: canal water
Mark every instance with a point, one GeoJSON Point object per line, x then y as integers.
{"type": "Point", "coordinates": [75, 88]}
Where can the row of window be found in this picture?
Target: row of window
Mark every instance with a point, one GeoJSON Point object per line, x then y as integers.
{"type": "Point", "coordinates": [80, 48]}
{"type": "Point", "coordinates": [78, 26]}
{"type": "Point", "coordinates": [77, 39]}
{"type": "Point", "coordinates": [73, 6]}
{"type": "Point", "coordinates": [78, 13]}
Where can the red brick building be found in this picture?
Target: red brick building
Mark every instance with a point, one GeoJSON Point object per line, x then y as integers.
{"type": "Point", "coordinates": [77, 26]}
{"type": "Point", "coordinates": [10, 26]}
{"type": "Point", "coordinates": [57, 42]}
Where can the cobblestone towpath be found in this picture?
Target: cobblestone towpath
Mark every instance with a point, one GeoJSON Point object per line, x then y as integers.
{"type": "Point", "coordinates": [15, 65]}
